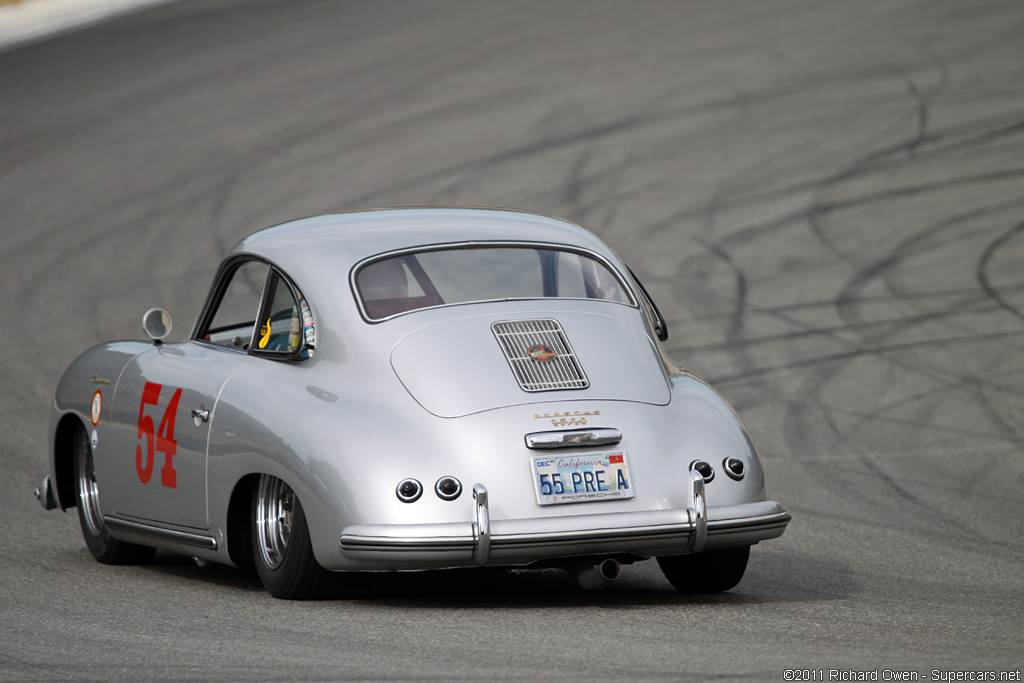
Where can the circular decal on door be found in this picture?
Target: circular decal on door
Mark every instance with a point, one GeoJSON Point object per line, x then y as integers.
{"type": "Point", "coordinates": [97, 407]}
{"type": "Point", "coordinates": [541, 354]}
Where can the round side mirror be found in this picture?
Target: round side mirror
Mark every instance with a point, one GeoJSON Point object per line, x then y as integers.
{"type": "Point", "coordinates": [157, 324]}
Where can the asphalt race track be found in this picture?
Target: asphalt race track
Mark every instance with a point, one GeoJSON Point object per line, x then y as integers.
{"type": "Point", "coordinates": [826, 200]}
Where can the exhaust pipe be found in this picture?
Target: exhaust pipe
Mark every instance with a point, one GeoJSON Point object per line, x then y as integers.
{"type": "Point", "coordinates": [592, 577]}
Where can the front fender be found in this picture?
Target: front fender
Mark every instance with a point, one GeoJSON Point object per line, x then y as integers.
{"type": "Point", "coordinates": [93, 373]}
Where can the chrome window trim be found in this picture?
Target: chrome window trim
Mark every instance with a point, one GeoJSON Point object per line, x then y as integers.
{"type": "Point", "coordinates": [265, 303]}
{"type": "Point", "coordinates": [472, 244]}
{"type": "Point", "coordinates": [216, 294]}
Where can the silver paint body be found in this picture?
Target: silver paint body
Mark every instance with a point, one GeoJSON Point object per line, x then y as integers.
{"type": "Point", "coordinates": [424, 394]}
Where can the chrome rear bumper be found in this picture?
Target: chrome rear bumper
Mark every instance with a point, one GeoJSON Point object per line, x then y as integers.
{"type": "Point", "coordinates": [517, 542]}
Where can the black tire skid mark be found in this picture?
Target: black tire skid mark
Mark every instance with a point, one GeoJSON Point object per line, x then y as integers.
{"type": "Point", "coordinates": [881, 298]}
{"type": "Point", "coordinates": [168, 203]}
{"type": "Point", "coordinates": [736, 319]}
{"type": "Point", "coordinates": [795, 434]}
{"type": "Point", "coordinates": [916, 190]}
{"type": "Point", "coordinates": [970, 295]}
{"type": "Point", "coordinates": [591, 192]}
{"type": "Point", "coordinates": [793, 441]}
{"type": "Point", "coordinates": [913, 245]}
{"type": "Point", "coordinates": [328, 153]}
{"type": "Point", "coordinates": [826, 331]}
{"type": "Point", "coordinates": [217, 176]}
{"type": "Point", "coordinates": [721, 200]}
{"type": "Point", "coordinates": [604, 186]}
{"type": "Point", "coordinates": [995, 294]}
{"type": "Point", "coordinates": [928, 509]}
{"type": "Point", "coordinates": [817, 217]}
{"type": "Point", "coordinates": [744, 376]}
{"type": "Point", "coordinates": [165, 204]}
{"type": "Point", "coordinates": [930, 403]}
{"type": "Point", "coordinates": [860, 351]}
{"type": "Point", "coordinates": [620, 126]}
{"type": "Point", "coordinates": [326, 140]}
{"type": "Point", "coordinates": [818, 213]}
{"type": "Point", "coordinates": [981, 271]}
{"type": "Point", "coordinates": [886, 158]}
{"type": "Point", "coordinates": [945, 386]}
{"type": "Point", "coordinates": [718, 203]}
{"type": "Point", "coordinates": [876, 348]}
{"type": "Point", "coordinates": [588, 136]}
{"type": "Point", "coordinates": [749, 233]}
{"type": "Point", "coordinates": [683, 281]}
{"type": "Point", "coordinates": [889, 157]}
{"type": "Point", "coordinates": [794, 426]}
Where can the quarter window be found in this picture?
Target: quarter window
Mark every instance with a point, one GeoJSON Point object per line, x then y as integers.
{"type": "Point", "coordinates": [280, 328]}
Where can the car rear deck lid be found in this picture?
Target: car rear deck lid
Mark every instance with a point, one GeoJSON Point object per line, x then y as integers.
{"type": "Point", "coordinates": [458, 367]}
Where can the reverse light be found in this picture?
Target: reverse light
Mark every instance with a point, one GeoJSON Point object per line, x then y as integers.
{"type": "Point", "coordinates": [703, 468]}
{"type": "Point", "coordinates": [409, 490]}
{"type": "Point", "coordinates": [448, 488]}
{"type": "Point", "coordinates": [734, 468]}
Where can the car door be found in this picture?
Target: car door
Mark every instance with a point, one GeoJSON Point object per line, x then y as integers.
{"type": "Point", "coordinates": [165, 403]}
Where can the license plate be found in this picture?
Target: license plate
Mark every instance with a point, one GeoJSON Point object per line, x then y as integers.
{"type": "Point", "coordinates": [582, 478]}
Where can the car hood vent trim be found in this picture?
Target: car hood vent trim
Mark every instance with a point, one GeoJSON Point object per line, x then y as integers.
{"type": "Point", "coordinates": [561, 372]}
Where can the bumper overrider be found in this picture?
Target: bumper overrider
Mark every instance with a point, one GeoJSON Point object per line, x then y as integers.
{"type": "Point", "coordinates": [519, 542]}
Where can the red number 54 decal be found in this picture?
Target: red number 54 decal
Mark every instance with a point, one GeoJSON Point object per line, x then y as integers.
{"type": "Point", "coordinates": [157, 440]}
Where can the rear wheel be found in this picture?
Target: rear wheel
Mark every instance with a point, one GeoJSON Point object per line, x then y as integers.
{"type": "Point", "coordinates": [103, 547]}
{"type": "Point", "coordinates": [713, 571]}
{"type": "Point", "coordinates": [282, 550]}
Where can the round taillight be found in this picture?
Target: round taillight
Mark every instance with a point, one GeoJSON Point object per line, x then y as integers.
{"type": "Point", "coordinates": [409, 490]}
{"type": "Point", "coordinates": [734, 468]}
{"type": "Point", "coordinates": [703, 468]}
{"type": "Point", "coordinates": [448, 488]}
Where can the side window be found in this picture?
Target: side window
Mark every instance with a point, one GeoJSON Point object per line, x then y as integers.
{"type": "Point", "coordinates": [281, 321]}
{"type": "Point", "coordinates": [233, 322]}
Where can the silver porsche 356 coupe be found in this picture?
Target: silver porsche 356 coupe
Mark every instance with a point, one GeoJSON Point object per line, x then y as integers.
{"type": "Point", "coordinates": [411, 389]}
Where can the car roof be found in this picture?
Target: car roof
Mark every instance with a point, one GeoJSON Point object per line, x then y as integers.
{"type": "Point", "coordinates": [339, 241]}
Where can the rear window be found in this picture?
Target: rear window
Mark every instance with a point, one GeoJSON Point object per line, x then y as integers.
{"type": "Point", "coordinates": [461, 275]}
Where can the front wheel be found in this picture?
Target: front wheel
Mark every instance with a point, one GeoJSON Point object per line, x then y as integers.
{"type": "Point", "coordinates": [713, 571]}
{"type": "Point", "coordinates": [103, 547]}
{"type": "Point", "coordinates": [282, 549]}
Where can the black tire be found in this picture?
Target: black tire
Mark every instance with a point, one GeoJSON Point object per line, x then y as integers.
{"type": "Point", "coordinates": [708, 572]}
{"type": "Point", "coordinates": [281, 548]}
{"type": "Point", "coordinates": [103, 547]}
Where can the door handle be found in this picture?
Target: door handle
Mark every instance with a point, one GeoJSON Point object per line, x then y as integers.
{"type": "Point", "coordinates": [202, 414]}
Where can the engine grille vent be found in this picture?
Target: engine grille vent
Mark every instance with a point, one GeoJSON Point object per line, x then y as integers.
{"type": "Point", "coordinates": [562, 371]}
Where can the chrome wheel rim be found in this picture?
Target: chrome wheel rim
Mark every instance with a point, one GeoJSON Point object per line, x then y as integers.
{"type": "Point", "coordinates": [88, 492]}
{"type": "Point", "coordinates": [275, 505]}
